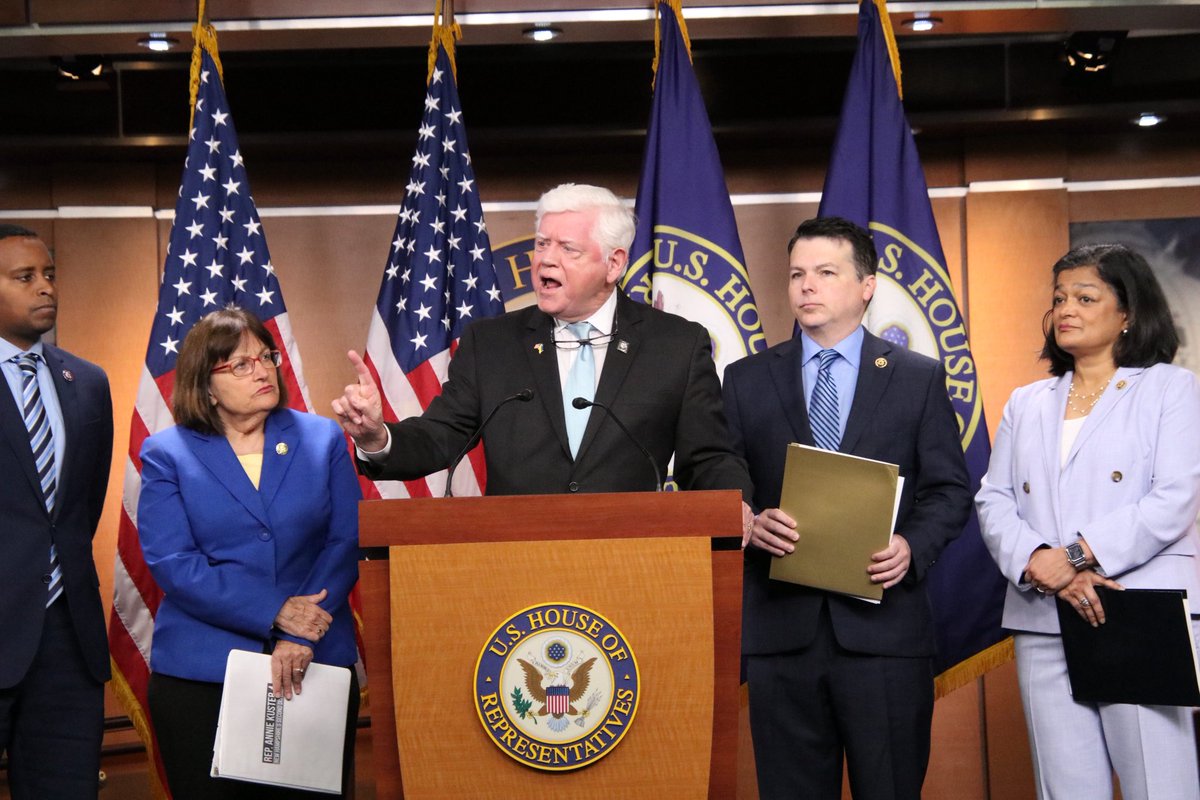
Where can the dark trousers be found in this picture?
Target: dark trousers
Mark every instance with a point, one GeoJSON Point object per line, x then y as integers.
{"type": "Point", "coordinates": [52, 722]}
{"type": "Point", "coordinates": [185, 715]}
{"type": "Point", "coordinates": [807, 708]}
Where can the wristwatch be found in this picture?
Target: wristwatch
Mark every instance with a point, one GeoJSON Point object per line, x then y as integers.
{"type": "Point", "coordinates": [1076, 556]}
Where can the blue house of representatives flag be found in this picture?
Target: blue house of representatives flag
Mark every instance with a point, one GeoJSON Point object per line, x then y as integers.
{"type": "Point", "coordinates": [686, 257]}
{"type": "Point", "coordinates": [875, 179]}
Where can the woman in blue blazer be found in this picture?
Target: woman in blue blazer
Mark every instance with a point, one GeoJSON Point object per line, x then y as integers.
{"type": "Point", "coordinates": [248, 517]}
{"type": "Point", "coordinates": [1095, 481]}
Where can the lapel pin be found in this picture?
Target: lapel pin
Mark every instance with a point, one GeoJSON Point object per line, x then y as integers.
{"type": "Point", "coordinates": [623, 346]}
{"type": "Point", "coordinates": [539, 347]}
{"type": "Point", "coordinates": [881, 362]}
{"type": "Point", "coordinates": [68, 375]}
{"type": "Point", "coordinates": [281, 448]}
{"type": "Point", "coordinates": [1120, 384]}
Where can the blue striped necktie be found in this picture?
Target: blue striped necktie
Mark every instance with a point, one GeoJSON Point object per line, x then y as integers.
{"type": "Point", "coordinates": [581, 382]}
{"type": "Point", "coordinates": [823, 413]}
{"type": "Point", "coordinates": [41, 439]}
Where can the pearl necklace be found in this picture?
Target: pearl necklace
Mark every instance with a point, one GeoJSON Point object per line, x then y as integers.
{"type": "Point", "coordinates": [1082, 404]}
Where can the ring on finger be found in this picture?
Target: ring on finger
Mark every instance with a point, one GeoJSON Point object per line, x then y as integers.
{"type": "Point", "coordinates": [1083, 601]}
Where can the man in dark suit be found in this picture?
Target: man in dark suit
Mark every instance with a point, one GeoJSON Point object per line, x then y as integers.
{"type": "Point", "coordinates": [584, 339]}
{"type": "Point", "coordinates": [56, 422]}
{"type": "Point", "coordinates": [832, 675]}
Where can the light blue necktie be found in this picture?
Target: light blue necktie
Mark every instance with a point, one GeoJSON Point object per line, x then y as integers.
{"type": "Point", "coordinates": [41, 439]}
{"type": "Point", "coordinates": [823, 405]}
{"type": "Point", "coordinates": [581, 382]}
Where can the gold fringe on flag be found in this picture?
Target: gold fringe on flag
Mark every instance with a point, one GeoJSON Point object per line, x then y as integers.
{"type": "Point", "coordinates": [890, 37]}
{"type": "Point", "coordinates": [677, 7]}
{"type": "Point", "coordinates": [204, 36]}
{"type": "Point", "coordinates": [974, 667]}
{"type": "Point", "coordinates": [445, 33]}
{"type": "Point", "coordinates": [137, 716]}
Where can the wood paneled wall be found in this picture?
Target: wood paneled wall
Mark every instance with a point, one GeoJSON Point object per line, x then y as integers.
{"type": "Point", "coordinates": [999, 245]}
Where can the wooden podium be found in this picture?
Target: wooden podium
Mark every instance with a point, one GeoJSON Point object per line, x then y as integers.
{"type": "Point", "coordinates": [664, 568]}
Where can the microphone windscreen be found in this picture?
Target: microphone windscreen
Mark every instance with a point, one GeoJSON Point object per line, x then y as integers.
{"type": "Point", "coordinates": [581, 403]}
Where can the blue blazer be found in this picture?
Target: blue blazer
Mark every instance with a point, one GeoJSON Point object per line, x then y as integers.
{"type": "Point", "coordinates": [28, 529]}
{"type": "Point", "coordinates": [228, 556]}
{"type": "Point", "coordinates": [900, 414]}
{"type": "Point", "coordinates": [1130, 486]}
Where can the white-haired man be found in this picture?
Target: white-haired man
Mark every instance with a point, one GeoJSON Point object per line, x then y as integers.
{"type": "Point", "coordinates": [583, 339]}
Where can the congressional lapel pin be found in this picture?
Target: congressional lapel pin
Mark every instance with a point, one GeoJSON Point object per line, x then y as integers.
{"type": "Point", "coordinates": [539, 347]}
{"type": "Point", "coordinates": [881, 362]}
{"type": "Point", "coordinates": [1120, 384]}
{"type": "Point", "coordinates": [281, 448]}
{"type": "Point", "coordinates": [68, 376]}
{"type": "Point", "coordinates": [623, 346]}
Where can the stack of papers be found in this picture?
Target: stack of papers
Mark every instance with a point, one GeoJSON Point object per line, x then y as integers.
{"type": "Point", "coordinates": [266, 739]}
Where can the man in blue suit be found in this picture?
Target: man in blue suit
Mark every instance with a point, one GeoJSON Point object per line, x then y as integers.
{"type": "Point", "coordinates": [830, 675]}
{"type": "Point", "coordinates": [56, 426]}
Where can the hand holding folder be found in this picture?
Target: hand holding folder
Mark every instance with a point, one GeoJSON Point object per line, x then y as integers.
{"type": "Point", "coordinates": [845, 510]}
{"type": "Point", "coordinates": [1144, 653]}
{"type": "Point", "coordinates": [250, 743]}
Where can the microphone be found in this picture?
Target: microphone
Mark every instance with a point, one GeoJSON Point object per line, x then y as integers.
{"type": "Point", "coordinates": [525, 395]}
{"type": "Point", "coordinates": [582, 403]}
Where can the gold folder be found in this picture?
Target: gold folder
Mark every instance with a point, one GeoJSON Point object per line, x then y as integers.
{"type": "Point", "coordinates": [845, 510]}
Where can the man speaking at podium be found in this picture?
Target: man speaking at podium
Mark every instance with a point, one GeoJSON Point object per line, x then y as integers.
{"type": "Point", "coordinates": [830, 674]}
{"type": "Point", "coordinates": [520, 376]}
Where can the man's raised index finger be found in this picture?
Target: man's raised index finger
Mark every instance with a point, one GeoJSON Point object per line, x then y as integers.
{"type": "Point", "coordinates": [360, 368]}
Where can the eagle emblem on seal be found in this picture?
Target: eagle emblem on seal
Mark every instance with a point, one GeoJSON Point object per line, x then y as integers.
{"type": "Point", "coordinates": [557, 692]}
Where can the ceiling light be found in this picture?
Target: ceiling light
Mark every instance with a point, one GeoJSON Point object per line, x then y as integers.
{"type": "Point", "coordinates": [542, 33]}
{"type": "Point", "coordinates": [1092, 51]}
{"type": "Point", "coordinates": [921, 22]}
{"type": "Point", "coordinates": [158, 42]}
{"type": "Point", "coordinates": [78, 68]}
{"type": "Point", "coordinates": [1148, 119]}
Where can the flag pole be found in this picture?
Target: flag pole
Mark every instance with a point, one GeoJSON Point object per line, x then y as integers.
{"type": "Point", "coordinates": [204, 37]}
{"type": "Point", "coordinates": [889, 37]}
{"type": "Point", "coordinates": [677, 7]}
{"type": "Point", "coordinates": [445, 33]}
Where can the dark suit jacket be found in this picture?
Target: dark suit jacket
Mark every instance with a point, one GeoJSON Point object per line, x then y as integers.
{"type": "Point", "coordinates": [228, 556]}
{"type": "Point", "coordinates": [28, 529]}
{"type": "Point", "coordinates": [658, 378]}
{"type": "Point", "coordinates": [900, 414]}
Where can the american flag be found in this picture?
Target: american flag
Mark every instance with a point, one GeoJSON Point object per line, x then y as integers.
{"type": "Point", "coordinates": [439, 277]}
{"type": "Point", "coordinates": [217, 256]}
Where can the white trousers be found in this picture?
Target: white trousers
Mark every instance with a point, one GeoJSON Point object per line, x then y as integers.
{"type": "Point", "coordinates": [1076, 746]}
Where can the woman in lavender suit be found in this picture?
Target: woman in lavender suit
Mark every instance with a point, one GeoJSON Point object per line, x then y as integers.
{"type": "Point", "coordinates": [1095, 481]}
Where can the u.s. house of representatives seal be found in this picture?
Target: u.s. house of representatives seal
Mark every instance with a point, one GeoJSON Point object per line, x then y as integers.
{"type": "Point", "coordinates": [556, 686]}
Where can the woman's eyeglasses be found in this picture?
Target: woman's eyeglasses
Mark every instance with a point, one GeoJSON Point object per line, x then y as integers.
{"type": "Point", "coordinates": [242, 366]}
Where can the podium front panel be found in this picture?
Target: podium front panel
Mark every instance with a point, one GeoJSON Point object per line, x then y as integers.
{"type": "Point", "coordinates": [447, 601]}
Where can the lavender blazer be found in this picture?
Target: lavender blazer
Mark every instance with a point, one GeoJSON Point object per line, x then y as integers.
{"type": "Point", "coordinates": [1130, 486]}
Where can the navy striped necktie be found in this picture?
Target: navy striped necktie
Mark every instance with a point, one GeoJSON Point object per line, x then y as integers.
{"type": "Point", "coordinates": [823, 405]}
{"type": "Point", "coordinates": [41, 440]}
